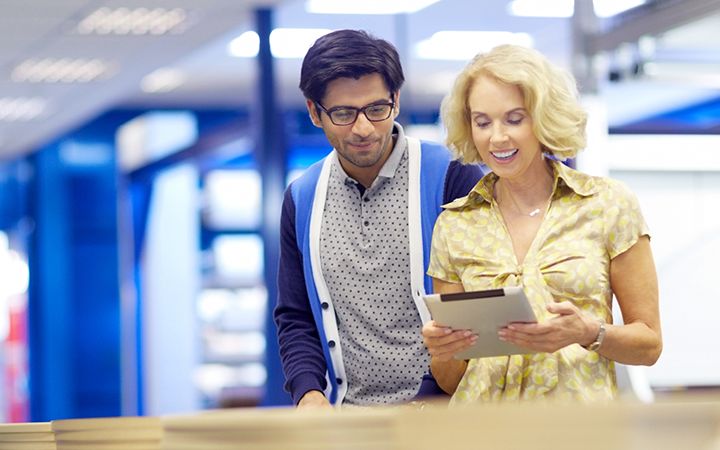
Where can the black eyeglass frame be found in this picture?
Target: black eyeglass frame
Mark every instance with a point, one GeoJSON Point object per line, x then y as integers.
{"type": "Point", "coordinates": [363, 110]}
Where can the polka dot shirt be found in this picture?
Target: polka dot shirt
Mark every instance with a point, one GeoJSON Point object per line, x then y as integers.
{"type": "Point", "coordinates": [366, 264]}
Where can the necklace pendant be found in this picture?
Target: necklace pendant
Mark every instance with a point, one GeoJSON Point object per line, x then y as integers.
{"type": "Point", "coordinates": [534, 212]}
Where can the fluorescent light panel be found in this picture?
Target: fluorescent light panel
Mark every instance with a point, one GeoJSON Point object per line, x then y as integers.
{"type": "Point", "coordinates": [546, 8]}
{"type": "Point", "coordinates": [137, 21]}
{"type": "Point", "coordinates": [463, 45]}
{"type": "Point", "coordinates": [59, 70]}
{"type": "Point", "coordinates": [20, 108]}
{"type": "Point", "coordinates": [284, 42]}
{"type": "Point", "coordinates": [366, 6]}
{"type": "Point", "coordinates": [244, 46]}
{"type": "Point", "coordinates": [566, 8]}
{"type": "Point", "coordinates": [162, 80]}
{"type": "Point", "coordinates": [609, 8]}
{"type": "Point", "coordinates": [294, 42]}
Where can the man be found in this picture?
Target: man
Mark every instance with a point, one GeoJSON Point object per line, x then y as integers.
{"type": "Point", "coordinates": [355, 234]}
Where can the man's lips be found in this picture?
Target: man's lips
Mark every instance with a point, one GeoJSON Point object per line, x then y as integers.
{"type": "Point", "coordinates": [362, 145]}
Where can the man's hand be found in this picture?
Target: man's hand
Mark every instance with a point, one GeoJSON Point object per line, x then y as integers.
{"type": "Point", "coordinates": [313, 400]}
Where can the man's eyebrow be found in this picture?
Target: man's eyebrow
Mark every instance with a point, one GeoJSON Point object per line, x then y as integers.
{"type": "Point", "coordinates": [383, 101]}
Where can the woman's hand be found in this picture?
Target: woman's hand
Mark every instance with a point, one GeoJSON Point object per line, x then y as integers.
{"type": "Point", "coordinates": [569, 326]}
{"type": "Point", "coordinates": [443, 342]}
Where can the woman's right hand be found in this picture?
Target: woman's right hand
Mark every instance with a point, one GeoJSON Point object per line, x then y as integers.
{"type": "Point", "coordinates": [443, 343]}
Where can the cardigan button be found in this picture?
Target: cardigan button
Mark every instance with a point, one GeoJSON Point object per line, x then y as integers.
{"type": "Point", "coordinates": [331, 344]}
{"type": "Point", "coordinates": [325, 305]}
{"type": "Point", "coordinates": [338, 380]}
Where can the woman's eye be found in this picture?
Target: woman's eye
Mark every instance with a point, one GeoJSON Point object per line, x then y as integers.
{"type": "Point", "coordinates": [515, 120]}
{"type": "Point", "coordinates": [482, 124]}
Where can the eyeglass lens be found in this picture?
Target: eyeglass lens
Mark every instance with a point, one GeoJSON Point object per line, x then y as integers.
{"type": "Point", "coordinates": [374, 113]}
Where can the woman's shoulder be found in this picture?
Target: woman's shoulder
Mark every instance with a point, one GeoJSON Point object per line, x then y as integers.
{"type": "Point", "coordinates": [586, 184]}
{"type": "Point", "coordinates": [479, 195]}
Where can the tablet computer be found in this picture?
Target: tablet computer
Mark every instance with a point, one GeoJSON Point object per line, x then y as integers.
{"type": "Point", "coordinates": [483, 312]}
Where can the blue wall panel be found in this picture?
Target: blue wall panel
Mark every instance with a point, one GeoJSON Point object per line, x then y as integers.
{"type": "Point", "coordinates": [74, 326]}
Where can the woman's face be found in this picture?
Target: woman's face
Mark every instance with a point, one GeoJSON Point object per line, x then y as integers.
{"type": "Point", "coordinates": [502, 129]}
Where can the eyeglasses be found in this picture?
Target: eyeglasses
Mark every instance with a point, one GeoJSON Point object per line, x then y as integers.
{"type": "Point", "coordinates": [347, 115]}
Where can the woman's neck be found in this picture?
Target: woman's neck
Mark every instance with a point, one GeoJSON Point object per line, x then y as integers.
{"type": "Point", "coordinates": [529, 193]}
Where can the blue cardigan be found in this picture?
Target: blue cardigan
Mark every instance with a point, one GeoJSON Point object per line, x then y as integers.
{"type": "Point", "coordinates": [304, 313]}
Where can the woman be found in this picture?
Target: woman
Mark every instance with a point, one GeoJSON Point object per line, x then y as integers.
{"type": "Point", "coordinates": [569, 239]}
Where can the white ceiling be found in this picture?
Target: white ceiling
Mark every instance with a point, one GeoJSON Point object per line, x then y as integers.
{"type": "Point", "coordinates": [45, 28]}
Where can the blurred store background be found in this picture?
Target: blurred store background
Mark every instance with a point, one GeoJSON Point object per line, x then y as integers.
{"type": "Point", "coordinates": [145, 146]}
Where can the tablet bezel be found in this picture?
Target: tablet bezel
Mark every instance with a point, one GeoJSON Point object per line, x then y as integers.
{"type": "Point", "coordinates": [484, 312]}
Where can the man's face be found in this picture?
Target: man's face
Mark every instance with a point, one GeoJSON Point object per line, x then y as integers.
{"type": "Point", "coordinates": [363, 146]}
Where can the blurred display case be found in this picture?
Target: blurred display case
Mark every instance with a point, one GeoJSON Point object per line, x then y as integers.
{"type": "Point", "coordinates": [232, 302]}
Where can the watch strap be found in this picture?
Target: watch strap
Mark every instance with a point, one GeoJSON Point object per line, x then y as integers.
{"type": "Point", "coordinates": [598, 339]}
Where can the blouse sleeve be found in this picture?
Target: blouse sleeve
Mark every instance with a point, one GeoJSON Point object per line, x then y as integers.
{"type": "Point", "coordinates": [440, 266]}
{"type": "Point", "coordinates": [624, 223]}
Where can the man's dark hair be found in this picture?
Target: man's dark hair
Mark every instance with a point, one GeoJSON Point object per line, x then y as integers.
{"type": "Point", "coordinates": [348, 54]}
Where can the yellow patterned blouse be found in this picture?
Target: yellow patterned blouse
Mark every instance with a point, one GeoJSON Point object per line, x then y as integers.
{"type": "Point", "coordinates": [589, 221]}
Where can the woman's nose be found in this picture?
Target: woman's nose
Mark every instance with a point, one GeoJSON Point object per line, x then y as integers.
{"type": "Point", "coordinates": [498, 135]}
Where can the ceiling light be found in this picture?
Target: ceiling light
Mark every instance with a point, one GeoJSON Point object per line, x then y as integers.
{"type": "Point", "coordinates": [608, 8]}
{"type": "Point", "coordinates": [366, 6]}
{"type": "Point", "coordinates": [20, 108]}
{"type": "Point", "coordinates": [59, 70]}
{"type": "Point", "coordinates": [566, 8]}
{"type": "Point", "coordinates": [294, 42]}
{"type": "Point", "coordinates": [547, 8]}
{"type": "Point", "coordinates": [244, 46]}
{"type": "Point", "coordinates": [162, 80]}
{"type": "Point", "coordinates": [284, 42]}
{"type": "Point", "coordinates": [463, 45]}
{"type": "Point", "coordinates": [138, 21]}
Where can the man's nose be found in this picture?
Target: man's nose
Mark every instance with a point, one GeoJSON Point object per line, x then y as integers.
{"type": "Point", "coordinates": [362, 126]}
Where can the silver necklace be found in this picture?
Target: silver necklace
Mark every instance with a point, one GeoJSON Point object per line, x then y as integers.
{"type": "Point", "coordinates": [532, 213]}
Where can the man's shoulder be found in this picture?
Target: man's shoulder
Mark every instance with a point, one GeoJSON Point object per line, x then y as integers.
{"type": "Point", "coordinates": [435, 147]}
{"type": "Point", "coordinates": [309, 178]}
{"type": "Point", "coordinates": [434, 154]}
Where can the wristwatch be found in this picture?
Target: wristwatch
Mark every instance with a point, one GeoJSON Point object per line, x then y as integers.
{"type": "Point", "coordinates": [599, 339]}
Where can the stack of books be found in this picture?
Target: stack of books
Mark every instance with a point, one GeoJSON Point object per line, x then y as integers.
{"type": "Point", "coordinates": [111, 433]}
{"type": "Point", "coordinates": [281, 428]}
{"type": "Point", "coordinates": [27, 436]}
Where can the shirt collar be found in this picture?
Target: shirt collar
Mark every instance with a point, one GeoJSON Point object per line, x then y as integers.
{"type": "Point", "coordinates": [582, 184]}
{"type": "Point", "coordinates": [393, 162]}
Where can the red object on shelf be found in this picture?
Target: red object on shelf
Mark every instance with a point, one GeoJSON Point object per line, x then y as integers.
{"type": "Point", "coordinates": [16, 362]}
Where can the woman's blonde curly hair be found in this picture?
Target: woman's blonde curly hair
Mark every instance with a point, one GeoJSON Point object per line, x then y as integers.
{"type": "Point", "coordinates": [549, 93]}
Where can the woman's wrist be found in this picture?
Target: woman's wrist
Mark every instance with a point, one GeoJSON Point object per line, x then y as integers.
{"type": "Point", "coordinates": [595, 335]}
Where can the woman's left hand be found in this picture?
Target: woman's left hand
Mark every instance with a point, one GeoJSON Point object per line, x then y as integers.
{"type": "Point", "coordinates": [570, 326]}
